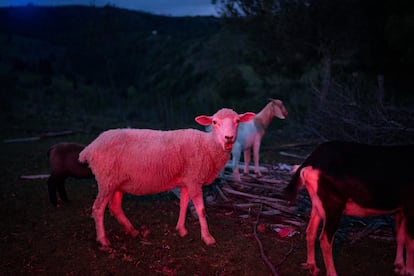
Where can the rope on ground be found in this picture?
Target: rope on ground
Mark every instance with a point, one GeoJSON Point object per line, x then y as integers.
{"type": "Point", "coordinates": [254, 221]}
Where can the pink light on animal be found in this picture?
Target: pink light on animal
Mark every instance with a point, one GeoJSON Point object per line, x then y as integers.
{"type": "Point", "coordinates": [250, 136]}
{"type": "Point", "coordinates": [145, 161]}
{"type": "Point", "coordinates": [346, 178]}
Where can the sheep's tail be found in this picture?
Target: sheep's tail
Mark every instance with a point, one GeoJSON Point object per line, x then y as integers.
{"type": "Point", "coordinates": [291, 190]}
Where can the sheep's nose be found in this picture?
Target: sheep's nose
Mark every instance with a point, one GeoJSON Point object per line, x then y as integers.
{"type": "Point", "coordinates": [229, 138]}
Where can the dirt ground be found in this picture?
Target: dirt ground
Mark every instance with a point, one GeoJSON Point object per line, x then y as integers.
{"type": "Point", "coordinates": [37, 238]}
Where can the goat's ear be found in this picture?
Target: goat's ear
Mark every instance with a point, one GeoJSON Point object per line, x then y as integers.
{"type": "Point", "coordinates": [204, 120]}
{"type": "Point", "coordinates": [246, 116]}
{"type": "Point", "coordinates": [280, 112]}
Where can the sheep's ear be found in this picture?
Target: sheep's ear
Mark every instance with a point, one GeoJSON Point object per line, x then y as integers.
{"type": "Point", "coordinates": [204, 120]}
{"type": "Point", "coordinates": [246, 116]}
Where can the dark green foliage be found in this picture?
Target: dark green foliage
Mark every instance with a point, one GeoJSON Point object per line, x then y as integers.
{"type": "Point", "coordinates": [106, 67]}
{"type": "Point", "coordinates": [232, 85]}
{"type": "Point", "coordinates": [104, 61]}
{"type": "Point", "coordinates": [365, 36]}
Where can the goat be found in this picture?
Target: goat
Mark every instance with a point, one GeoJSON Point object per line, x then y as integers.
{"type": "Point", "coordinates": [145, 161]}
{"type": "Point", "coordinates": [63, 163]}
{"type": "Point", "coordinates": [358, 180]}
{"type": "Point", "coordinates": [250, 135]}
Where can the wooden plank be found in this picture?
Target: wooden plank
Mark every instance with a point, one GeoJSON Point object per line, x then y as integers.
{"type": "Point", "coordinates": [36, 138]}
{"type": "Point", "coordinates": [35, 176]}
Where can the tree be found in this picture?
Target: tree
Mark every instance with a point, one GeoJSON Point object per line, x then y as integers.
{"type": "Point", "coordinates": [309, 32]}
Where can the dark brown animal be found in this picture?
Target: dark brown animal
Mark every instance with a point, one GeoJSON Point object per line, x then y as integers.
{"type": "Point", "coordinates": [346, 178]}
{"type": "Point", "coordinates": [63, 163]}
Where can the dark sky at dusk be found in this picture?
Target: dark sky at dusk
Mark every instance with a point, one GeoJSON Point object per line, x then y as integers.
{"type": "Point", "coordinates": [161, 7]}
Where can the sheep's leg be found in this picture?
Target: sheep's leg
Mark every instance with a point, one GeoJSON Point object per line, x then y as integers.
{"type": "Point", "coordinates": [201, 212]}
{"type": "Point", "coordinates": [184, 199]}
{"type": "Point", "coordinates": [115, 207]}
{"type": "Point", "coordinates": [98, 210]}
{"type": "Point", "coordinates": [256, 156]}
{"type": "Point", "coordinates": [246, 161]}
{"type": "Point", "coordinates": [311, 232]}
{"type": "Point", "coordinates": [399, 267]}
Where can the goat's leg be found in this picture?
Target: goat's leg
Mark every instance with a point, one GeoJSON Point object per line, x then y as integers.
{"type": "Point", "coordinates": [184, 199]}
{"type": "Point", "coordinates": [115, 207]}
{"type": "Point", "coordinates": [98, 210]}
{"type": "Point", "coordinates": [197, 199]}
{"type": "Point", "coordinates": [409, 245]}
{"type": "Point", "coordinates": [236, 152]}
{"type": "Point", "coordinates": [311, 232]}
{"type": "Point", "coordinates": [332, 218]}
{"type": "Point", "coordinates": [326, 247]}
{"type": "Point", "coordinates": [246, 161]}
{"type": "Point", "coordinates": [256, 156]}
{"type": "Point", "coordinates": [61, 189]}
{"type": "Point", "coordinates": [399, 267]}
{"type": "Point", "coordinates": [51, 187]}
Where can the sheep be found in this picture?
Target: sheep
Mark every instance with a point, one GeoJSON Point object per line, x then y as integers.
{"type": "Point", "coordinates": [358, 180]}
{"type": "Point", "coordinates": [146, 161]}
{"type": "Point", "coordinates": [250, 135]}
{"type": "Point", "coordinates": [63, 163]}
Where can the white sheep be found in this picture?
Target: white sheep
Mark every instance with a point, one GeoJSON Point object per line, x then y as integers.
{"type": "Point", "coordinates": [250, 135]}
{"type": "Point", "coordinates": [145, 161]}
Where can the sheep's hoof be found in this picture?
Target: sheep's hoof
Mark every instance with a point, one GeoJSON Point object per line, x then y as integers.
{"type": "Point", "coordinates": [132, 232]}
{"type": "Point", "coordinates": [312, 268]}
{"type": "Point", "coordinates": [105, 248]}
{"type": "Point", "coordinates": [209, 240]}
{"type": "Point", "coordinates": [104, 242]}
{"type": "Point", "coordinates": [182, 231]}
{"type": "Point", "coordinates": [399, 269]}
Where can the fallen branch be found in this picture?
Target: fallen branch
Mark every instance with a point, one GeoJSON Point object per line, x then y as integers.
{"type": "Point", "coordinates": [293, 145]}
{"type": "Point", "coordinates": [264, 257]}
{"type": "Point", "coordinates": [263, 186]}
{"type": "Point", "coordinates": [283, 153]}
{"type": "Point", "coordinates": [220, 192]}
{"type": "Point", "coordinates": [229, 165]}
{"type": "Point", "coordinates": [252, 196]}
{"type": "Point", "coordinates": [35, 176]}
{"type": "Point", "coordinates": [35, 138]}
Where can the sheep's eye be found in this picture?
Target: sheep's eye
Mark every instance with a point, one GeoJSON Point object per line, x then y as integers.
{"type": "Point", "coordinates": [238, 121]}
